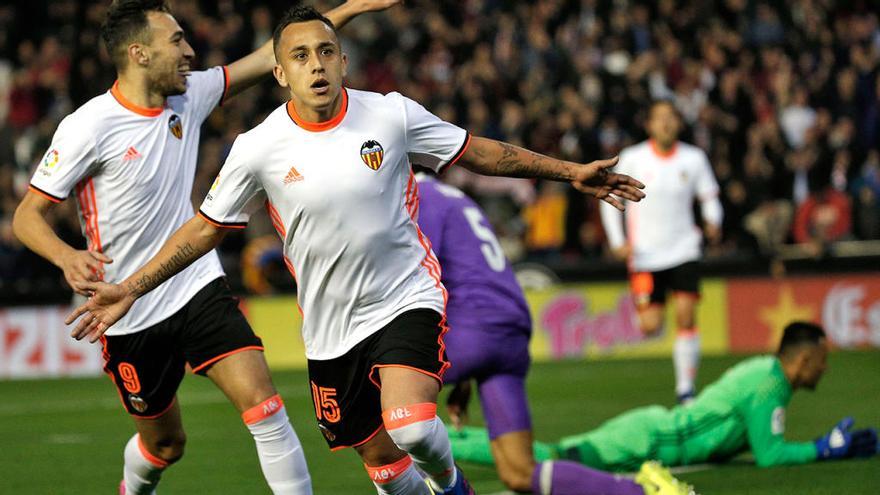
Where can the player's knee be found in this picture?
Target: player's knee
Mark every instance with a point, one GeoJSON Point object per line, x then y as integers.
{"type": "Point", "coordinates": [170, 448]}
{"type": "Point", "coordinates": [413, 436]}
{"type": "Point", "coordinates": [517, 478]}
{"type": "Point", "coordinates": [650, 325]}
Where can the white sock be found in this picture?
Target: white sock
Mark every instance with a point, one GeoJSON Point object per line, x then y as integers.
{"type": "Point", "coordinates": [398, 478]}
{"type": "Point", "coordinates": [417, 430]}
{"type": "Point", "coordinates": [686, 358]}
{"type": "Point", "coordinates": [278, 447]}
{"type": "Point", "coordinates": [142, 470]}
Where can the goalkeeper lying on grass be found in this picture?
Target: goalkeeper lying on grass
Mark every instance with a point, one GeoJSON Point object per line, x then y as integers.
{"type": "Point", "coordinates": [743, 410]}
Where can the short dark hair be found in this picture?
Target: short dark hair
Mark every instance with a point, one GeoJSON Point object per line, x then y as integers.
{"type": "Point", "coordinates": [303, 13]}
{"type": "Point", "coordinates": [660, 102]}
{"type": "Point", "coordinates": [126, 21]}
{"type": "Point", "coordinates": [798, 334]}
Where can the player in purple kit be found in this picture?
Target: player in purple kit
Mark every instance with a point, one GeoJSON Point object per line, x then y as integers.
{"type": "Point", "coordinates": [488, 341]}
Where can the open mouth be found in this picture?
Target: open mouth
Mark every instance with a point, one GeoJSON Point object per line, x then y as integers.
{"type": "Point", "coordinates": [320, 86]}
{"type": "Point", "coordinates": [183, 70]}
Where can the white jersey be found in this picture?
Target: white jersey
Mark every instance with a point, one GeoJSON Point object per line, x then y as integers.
{"type": "Point", "coordinates": [660, 229]}
{"type": "Point", "coordinates": [132, 170]}
{"type": "Point", "coordinates": [342, 196]}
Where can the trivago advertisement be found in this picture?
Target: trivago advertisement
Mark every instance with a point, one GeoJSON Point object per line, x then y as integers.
{"type": "Point", "coordinates": [577, 321]}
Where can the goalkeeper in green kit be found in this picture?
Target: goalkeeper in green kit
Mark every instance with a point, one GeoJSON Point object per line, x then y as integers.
{"type": "Point", "coordinates": [743, 410]}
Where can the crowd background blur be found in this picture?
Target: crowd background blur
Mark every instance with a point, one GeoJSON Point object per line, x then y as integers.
{"type": "Point", "coordinates": [784, 96]}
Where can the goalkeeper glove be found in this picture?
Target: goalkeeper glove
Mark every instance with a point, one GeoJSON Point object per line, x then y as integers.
{"type": "Point", "coordinates": [836, 444]}
{"type": "Point", "coordinates": [864, 443]}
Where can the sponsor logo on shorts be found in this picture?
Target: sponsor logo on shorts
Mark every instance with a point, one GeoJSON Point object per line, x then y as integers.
{"type": "Point", "coordinates": [326, 432]}
{"type": "Point", "coordinates": [372, 154]}
{"type": "Point", "coordinates": [175, 125]}
{"type": "Point", "coordinates": [138, 404]}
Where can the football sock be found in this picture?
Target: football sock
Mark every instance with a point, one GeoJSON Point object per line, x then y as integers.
{"type": "Point", "coordinates": [417, 430]}
{"type": "Point", "coordinates": [686, 358]}
{"type": "Point", "coordinates": [398, 477]}
{"type": "Point", "coordinates": [278, 447]}
{"type": "Point", "coordinates": [142, 470]}
{"type": "Point", "coordinates": [570, 478]}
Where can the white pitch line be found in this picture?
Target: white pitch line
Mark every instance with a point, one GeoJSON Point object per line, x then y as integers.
{"type": "Point", "coordinates": [110, 402]}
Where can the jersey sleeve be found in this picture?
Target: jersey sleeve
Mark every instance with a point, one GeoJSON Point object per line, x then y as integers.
{"type": "Point", "coordinates": [228, 203]}
{"type": "Point", "coordinates": [71, 157]}
{"type": "Point", "coordinates": [706, 186]}
{"type": "Point", "coordinates": [206, 89]}
{"type": "Point", "coordinates": [431, 142]}
{"type": "Point", "coordinates": [765, 423]}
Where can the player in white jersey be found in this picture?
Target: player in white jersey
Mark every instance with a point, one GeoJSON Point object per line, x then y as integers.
{"type": "Point", "coordinates": [332, 167]}
{"type": "Point", "coordinates": [662, 240]}
{"type": "Point", "coordinates": [129, 157]}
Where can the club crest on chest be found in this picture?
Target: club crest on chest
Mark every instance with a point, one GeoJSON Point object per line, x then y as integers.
{"type": "Point", "coordinates": [372, 153]}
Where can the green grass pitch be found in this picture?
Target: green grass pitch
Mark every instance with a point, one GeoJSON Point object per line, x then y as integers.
{"type": "Point", "coordinates": [66, 436]}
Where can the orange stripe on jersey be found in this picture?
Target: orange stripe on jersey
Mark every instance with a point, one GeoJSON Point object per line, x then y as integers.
{"type": "Point", "coordinates": [461, 152]}
{"type": "Point", "coordinates": [319, 126]}
{"type": "Point", "coordinates": [125, 102]}
{"type": "Point", "coordinates": [431, 264]}
{"type": "Point", "coordinates": [36, 190]}
{"type": "Point", "coordinates": [276, 220]}
{"type": "Point", "coordinates": [221, 225]}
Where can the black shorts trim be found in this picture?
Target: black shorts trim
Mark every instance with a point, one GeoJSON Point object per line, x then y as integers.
{"type": "Point", "coordinates": [651, 288]}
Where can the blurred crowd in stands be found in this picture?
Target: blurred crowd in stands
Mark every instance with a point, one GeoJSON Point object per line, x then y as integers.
{"type": "Point", "coordinates": [784, 96]}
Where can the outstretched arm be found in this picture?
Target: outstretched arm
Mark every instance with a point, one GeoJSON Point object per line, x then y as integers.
{"type": "Point", "coordinates": [110, 302]}
{"type": "Point", "coordinates": [250, 69]}
{"type": "Point", "coordinates": [489, 157]}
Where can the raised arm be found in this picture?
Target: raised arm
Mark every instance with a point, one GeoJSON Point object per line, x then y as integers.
{"type": "Point", "coordinates": [33, 230]}
{"type": "Point", "coordinates": [489, 157]}
{"type": "Point", "coordinates": [250, 69]}
{"type": "Point", "coordinates": [109, 302]}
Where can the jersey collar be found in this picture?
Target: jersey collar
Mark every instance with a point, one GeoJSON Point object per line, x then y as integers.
{"type": "Point", "coordinates": [129, 105]}
{"type": "Point", "coordinates": [660, 153]}
{"type": "Point", "coordinates": [319, 126]}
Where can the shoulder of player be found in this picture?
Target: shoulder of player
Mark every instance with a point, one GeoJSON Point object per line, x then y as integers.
{"type": "Point", "coordinates": [261, 137]}
{"type": "Point", "coordinates": [376, 102]}
{"type": "Point", "coordinates": [633, 151]}
{"type": "Point", "coordinates": [93, 118]}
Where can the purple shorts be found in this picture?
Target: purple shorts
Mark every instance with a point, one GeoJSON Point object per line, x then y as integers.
{"type": "Point", "coordinates": [498, 361]}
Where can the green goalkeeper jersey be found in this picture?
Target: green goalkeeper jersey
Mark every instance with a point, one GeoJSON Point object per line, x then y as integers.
{"type": "Point", "coordinates": [744, 409]}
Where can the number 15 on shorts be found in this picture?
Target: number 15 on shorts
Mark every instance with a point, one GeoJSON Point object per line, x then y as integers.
{"type": "Point", "coordinates": [326, 407]}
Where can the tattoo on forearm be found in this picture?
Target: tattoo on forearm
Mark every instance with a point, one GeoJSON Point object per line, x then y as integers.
{"type": "Point", "coordinates": [184, 255]}
{"type": "Point", "coordinates": [517, 162]}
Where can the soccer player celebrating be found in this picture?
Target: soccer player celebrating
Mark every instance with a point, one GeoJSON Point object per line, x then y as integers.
{"type": "Point", "coordinates": [662, 242]}
{"type": "Point", "coordinates": [743, 410]}
{"type": "Point", "coordinates": [333, 167]}
{"type": "Point", "coordinates": [489, 342]}
{"type": "Point", "coordinates": [130, 156]}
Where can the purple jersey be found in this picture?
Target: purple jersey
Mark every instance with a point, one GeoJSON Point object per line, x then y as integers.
{"type": "Point", "coordinates": [484, 295]}
{"type": "Point", "coordinates": [489, 322]}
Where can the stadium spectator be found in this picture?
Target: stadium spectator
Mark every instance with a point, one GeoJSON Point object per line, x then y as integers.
{"type": "Point", "coordinates": [747, 76]}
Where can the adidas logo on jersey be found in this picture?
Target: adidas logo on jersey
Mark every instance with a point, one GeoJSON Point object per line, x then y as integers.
{"type": "Point", "coordinates": [292, 176]}
{"type": "Point", "coordinates": [131, 154]}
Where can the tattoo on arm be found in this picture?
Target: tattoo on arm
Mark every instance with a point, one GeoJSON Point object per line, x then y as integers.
{"type": "Point", "coordinates": [518, 162]}
{"type": "Point", "coordinates": [184, 255]}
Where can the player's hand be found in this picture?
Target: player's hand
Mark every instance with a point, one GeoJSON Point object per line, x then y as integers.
{"type": "Point", "coordinates": [836, 444]}
{"type": "Point", "coordinates": [457, 404]}
{"type": "Point", "coordinates": [864, 443]}
{"type": "Point", "coordinates": [597, 179]}
{"type": "Point", "coordinates": [81, 267]}
{"type": "Point", "coordinates": [622, 253]}
{"type": "Point", "coordinates": [106, 305]}
{"type": "Point", "coordinates": [373, 5]}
